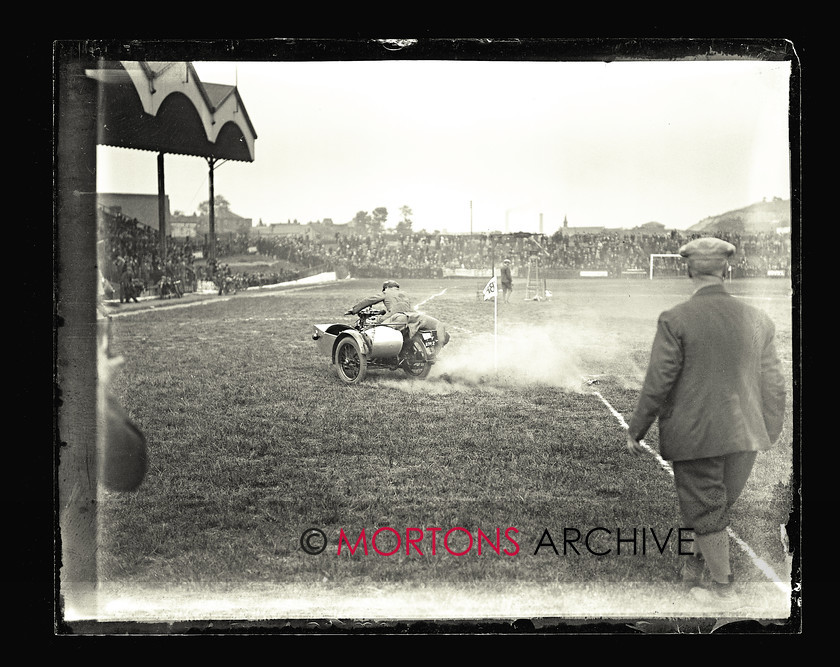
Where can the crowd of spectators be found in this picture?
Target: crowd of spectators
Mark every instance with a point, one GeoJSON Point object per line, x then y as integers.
{"type": "Point", "coordinates": [613, 251]}
{"type": "Point", "coordinates": [129, 245]}
{"type": "Point", "coordinates": [227, 280]}
{"type": "Point", "coordinates": [130, 253]}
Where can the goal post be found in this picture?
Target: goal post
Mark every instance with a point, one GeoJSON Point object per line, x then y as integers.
{"type": "Point", "coordinates": [653, 260]}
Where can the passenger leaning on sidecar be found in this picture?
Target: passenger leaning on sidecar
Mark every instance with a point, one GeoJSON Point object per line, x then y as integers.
{"type": "Point", "coordinates": [398, 310]}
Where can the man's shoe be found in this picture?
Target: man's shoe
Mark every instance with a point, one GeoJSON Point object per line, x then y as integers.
{"type": "Point", "coordinates": [721, 596]}
{"type": "Point", "coordinates": [691, 572]}
{"type": "Point", "coordinates": [724, 592]}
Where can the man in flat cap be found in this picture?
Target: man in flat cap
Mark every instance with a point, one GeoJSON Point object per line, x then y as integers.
{"type": "Point", "coordinates": [507, 281]}
{"type": "Point", "coordinates": [398, 310]}
{"type": "Point", "coordinates": [714, 381]}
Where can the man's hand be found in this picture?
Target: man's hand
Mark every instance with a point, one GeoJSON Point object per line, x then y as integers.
{"type": "Point", "coordinates": [634, 446]}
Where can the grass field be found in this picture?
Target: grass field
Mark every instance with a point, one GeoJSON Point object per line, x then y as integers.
{"type": "Point", "coordinates": [518, 429]}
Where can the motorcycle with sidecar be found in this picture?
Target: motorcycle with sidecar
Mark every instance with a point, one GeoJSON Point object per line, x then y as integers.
{"type": "Point", "coordinates": [367, 344]}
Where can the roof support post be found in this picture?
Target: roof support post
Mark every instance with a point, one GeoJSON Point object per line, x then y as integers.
{"type": "Point", "coordinates": [161, 209]}
{"type": "Point", "coordinates": [211, 162]}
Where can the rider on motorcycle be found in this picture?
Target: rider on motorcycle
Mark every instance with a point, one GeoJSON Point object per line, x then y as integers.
{"type": "Point", "coordinates": [398, 310]}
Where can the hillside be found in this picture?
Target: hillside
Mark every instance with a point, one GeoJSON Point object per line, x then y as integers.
{"type": "Point", "coordinates": [765, 216]}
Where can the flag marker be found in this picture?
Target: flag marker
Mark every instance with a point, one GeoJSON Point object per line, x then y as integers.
{"type": "Point", "coordinates": [491, 292]}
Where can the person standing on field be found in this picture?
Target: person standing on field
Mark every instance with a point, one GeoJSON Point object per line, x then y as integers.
{"type": "Point", "coordinates": [507, 281]}
{"type": "Point", "coordinates": [715, 383]}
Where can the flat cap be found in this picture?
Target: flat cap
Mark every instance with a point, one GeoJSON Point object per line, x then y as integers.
{"type": "Point", "coordinates": [708, 247]}
{"type": "Point", "coordinates": [707, 255]}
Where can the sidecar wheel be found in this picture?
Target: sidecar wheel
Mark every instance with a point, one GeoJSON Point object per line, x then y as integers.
{"type": "Point", "coordinates": [350, 363]}
{"type": "Point", "coordinates": [417, 359]}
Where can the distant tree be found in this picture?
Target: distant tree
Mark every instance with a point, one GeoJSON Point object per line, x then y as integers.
{"type": "Point", "coordinates": [361, 222]}
{"type": "Point", "coordinates": [404, 225]}
{"type": "Point", "coordinates": [380, 216]}
{"type": "Point", "coordinates": [219, 202]}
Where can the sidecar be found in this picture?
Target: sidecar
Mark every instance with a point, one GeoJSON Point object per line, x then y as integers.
{"type": "Point", "coordinates": [353, 349]}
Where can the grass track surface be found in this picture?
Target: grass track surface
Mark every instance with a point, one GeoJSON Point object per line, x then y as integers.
{"type": "Point", "coordinates": [254, 440]}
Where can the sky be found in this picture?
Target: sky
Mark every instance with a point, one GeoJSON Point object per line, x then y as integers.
{"type": "Point", "coordinates": [479, 146]}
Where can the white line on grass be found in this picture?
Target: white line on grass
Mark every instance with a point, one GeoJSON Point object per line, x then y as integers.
{"type": "Point", "coordinates": [188, 304]}
{"type": "Point", "coordinates": [662, 462]}
{"type": "Point", "coordinates": [249, 293]}
{"type": "Point", "coordinates": [759, 563]}
{"type": "Point", "coordinates": [429, 299]}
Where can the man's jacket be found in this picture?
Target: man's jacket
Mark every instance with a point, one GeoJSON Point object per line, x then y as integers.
{"type": "Point", "coordinates": [507, 276]}
{"type": "Point", "coordinates": [714, 379]}
{"type": "Point", "coordinates": [395, 301]}
{"type": "Point", "coordinates": [398, 310]}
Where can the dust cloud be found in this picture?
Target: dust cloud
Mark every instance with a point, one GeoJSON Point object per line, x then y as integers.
{"type": "Point", "coordinates": [570, 356]}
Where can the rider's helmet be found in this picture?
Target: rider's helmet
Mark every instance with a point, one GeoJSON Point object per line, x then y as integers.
{"type": "Point", "coordinates": [389, 283]}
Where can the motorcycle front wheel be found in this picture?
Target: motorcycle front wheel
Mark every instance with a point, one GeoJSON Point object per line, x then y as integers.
{"type": "Point", "coordinates": [416, 362]}
{"type": "Point", "coordinates": [350, 363]}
